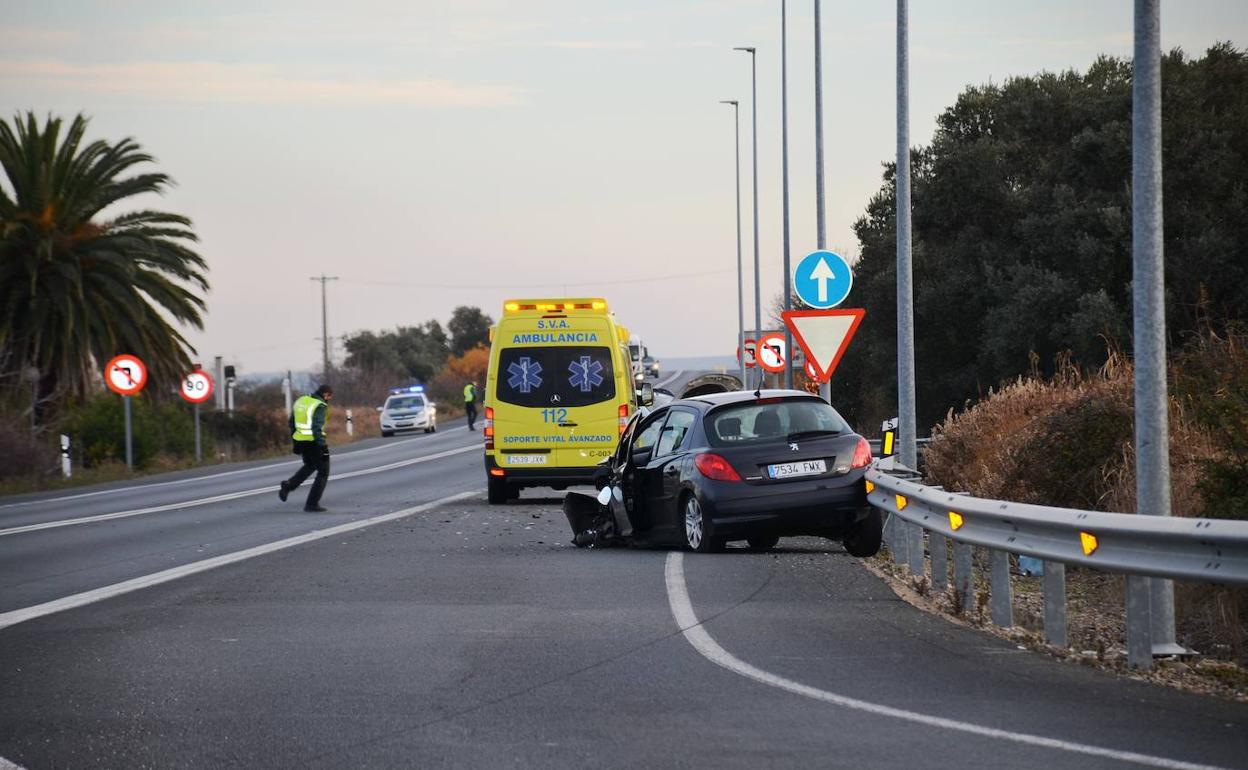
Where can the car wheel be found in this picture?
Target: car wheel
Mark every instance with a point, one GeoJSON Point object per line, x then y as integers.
{"type": "Point", "coordinates": [513, 492]}
{"type": "Point", "coordinates": [865, 536]}
{"type": "Point", "coordinates": [433, 428]}
{"type": "Point", "coordinates": [699, 535]}
{"type": "Point", "coordinates": [496, 490]}
{"type": "Point", "coordinates": [387, 433]}
{"type": "Point", "coordinates": [763, 543]}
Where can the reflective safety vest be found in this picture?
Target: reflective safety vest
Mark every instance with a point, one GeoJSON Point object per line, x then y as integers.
{"type": "Point", "coordinates": [470, 393]}
{"type": "Point", "coordinates": [304, 408]}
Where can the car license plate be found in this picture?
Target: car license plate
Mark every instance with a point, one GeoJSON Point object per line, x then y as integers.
{"type": "Point", "coordinates": [526, 459]}
{"type": "Point", "coordinates": [803, 468]}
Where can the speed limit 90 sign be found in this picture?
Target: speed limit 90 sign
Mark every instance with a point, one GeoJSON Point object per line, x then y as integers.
{"type": "Point", "coordinates": [197, 387]}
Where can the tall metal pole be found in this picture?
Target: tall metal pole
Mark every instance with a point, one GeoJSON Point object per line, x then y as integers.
{"type": "Point", "coordinates": [1152, 430]}
{"type": "Point", "coordinates": [905, 284]}
{"type": "Point", "coordinates": [199, 452]}
{"type": "Point", "coordinates": [784, 143]}
{"type": "Point", "coordinates": [758, 291]}
{"type": "Point", "coordinates": [736, 119]}
{"type": "Point", "coordinates": [821, 241]}
{"type": "Point", "coordinates": [325, 322]}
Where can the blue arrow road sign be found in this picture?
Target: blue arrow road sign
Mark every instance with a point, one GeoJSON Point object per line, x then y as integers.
{"type": "Point", "coordinates": [822, 279]}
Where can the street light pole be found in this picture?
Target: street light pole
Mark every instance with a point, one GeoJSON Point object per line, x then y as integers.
{"type": "Point", "coordinates": [758, 292]}
{"type": "Point", "coordinates": [906, 411]}
{"type": "Point", "coordinates": [784, 143]}
{"type": "Point", "coordinates": [736, 119]}
{"type": "Point", "coordinates": [821, 242]}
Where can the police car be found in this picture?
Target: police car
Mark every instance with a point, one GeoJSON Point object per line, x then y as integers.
{"type": "Point", "coordinates": [407, 408]}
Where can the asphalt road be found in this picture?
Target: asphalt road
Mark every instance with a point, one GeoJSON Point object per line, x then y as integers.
{"type": "Point", "coordinates": [406, 629]}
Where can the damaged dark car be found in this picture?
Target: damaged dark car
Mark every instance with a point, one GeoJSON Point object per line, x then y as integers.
{"type": "Point", "coordinates": [755, 466]}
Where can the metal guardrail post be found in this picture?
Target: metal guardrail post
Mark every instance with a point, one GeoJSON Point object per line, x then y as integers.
{"type": "Point", "coordinates": [901, 542]}
{"type": "Point", "coordinates": [917, 566]}
{"type": "Point", "coordinates": [1002, 597]}
{"type": "Point", "coordinates": [1139, 621]}
{"type": "Point", "coordinates": [940, 561]}
{"type": "Point", "coordinates": [1055, 603]}
{"type": "Point", "coordinates": [963, 575]}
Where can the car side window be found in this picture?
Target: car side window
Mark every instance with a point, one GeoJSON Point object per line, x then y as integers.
{"type": "Point", "coordinates": [649, 433]}
{"type": "Point", "coordinates": [674, 432]}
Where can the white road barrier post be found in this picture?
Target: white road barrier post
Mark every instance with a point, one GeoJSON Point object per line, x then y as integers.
{"type": "Point", "coordinates": [350, 424]}
{"type": "Point", "coordinates": [66, 470]}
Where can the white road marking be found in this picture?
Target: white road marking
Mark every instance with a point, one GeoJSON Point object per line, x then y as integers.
{"type": "Point", "coordinates": [707, 647]}
{"type": "Point", "coordinates": [270, 489]}
{"type": "Point", "coordinates": [178, 482]}
{"type": "Point", "coordinates": [164, 576]}
{"type": "Point", "coordinates": [675, 374]}
{"type": "Point", "coordinates": [7, 765]}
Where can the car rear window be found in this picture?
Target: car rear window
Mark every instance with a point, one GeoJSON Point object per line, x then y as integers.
{"type": "Point", "coordinates": [556, 376]}
{"type": "Point", "coordinates": [772, 419]}
{"type": "Point", "coordinates": [406, 402]}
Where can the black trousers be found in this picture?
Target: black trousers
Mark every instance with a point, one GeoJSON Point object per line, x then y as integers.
{"type": "Point", "coordinates": [471, 409]}
{"type": "Point", "coordinates": [315, 460]}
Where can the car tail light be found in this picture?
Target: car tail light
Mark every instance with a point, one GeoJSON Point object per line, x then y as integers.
{"type": "Point", "coordinates": [862, 454]}
{"type": "Point", "coordinates": [623, 412]}
{"type": "Point", "coordinates": [497, 472]}
{"type": "Point", "coordinates": [715, 467]}
{"type": "Point", "coordinates": [488, 428]}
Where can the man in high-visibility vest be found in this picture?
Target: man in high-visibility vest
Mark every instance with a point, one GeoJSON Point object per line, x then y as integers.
{"type": "Point", "coordinates": [470, 404]}
{"type": "Point", "coordinates": [307, 427]}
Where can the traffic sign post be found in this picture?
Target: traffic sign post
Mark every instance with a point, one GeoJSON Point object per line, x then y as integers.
{"type": "Point", "coordinates": [197, 388]}
{"type": "Point", "coordinates": [126, 375]}
{"type": "Point", "coordinates": [822, 279]}
{"type": "Point", "coordinates": [823, 335]}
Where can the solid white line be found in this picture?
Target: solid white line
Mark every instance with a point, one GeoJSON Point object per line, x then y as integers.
{"type": "Point", "coordinates": [7, 765]}
{"type": "Point", "coordinates": [178, 482]}
{"type": "Point", "coordinates": [669, 379]}
{"type": "Point", "coordinates": [228, 496]}
{"type": "Point", "coordinates": [164, 576]}
{"type": "Point", "coordinates": [690, 626]}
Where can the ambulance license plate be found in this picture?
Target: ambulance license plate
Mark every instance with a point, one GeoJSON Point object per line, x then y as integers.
{"type": "Point", "coordinates": [526, 459]}
{"type": "Point", "coordinates": [803, 468]}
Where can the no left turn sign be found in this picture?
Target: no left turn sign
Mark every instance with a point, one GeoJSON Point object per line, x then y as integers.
{"type": "Point", "coordinates": [125, 374]}
{"type": "Point", "coordinates": [197, 387]}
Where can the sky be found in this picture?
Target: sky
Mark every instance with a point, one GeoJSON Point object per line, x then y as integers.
{"type": "Point", "coordinates": [436, 154]}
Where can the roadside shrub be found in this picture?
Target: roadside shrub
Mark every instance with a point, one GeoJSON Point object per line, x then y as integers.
{"type": "Point", "coordinates": [447, 388]}
{"type": "Point", "coordinates": [24, 457]}
{"type": "Point", "coordinates": [248, 431]}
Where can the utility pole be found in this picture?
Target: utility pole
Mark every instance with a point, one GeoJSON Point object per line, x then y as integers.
{"type": "Point", "coordinates": [324, 279]}
{"type": "Point", "coordinates": [784, 121]}
{"type": "Point", "coordinates": [825, 389]}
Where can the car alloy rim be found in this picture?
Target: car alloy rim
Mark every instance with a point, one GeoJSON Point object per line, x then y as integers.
{"type": "Point", "coordinates": [693, 522]}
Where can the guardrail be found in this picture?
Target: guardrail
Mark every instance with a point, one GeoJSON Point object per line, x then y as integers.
{"type": "Point", "coordinates": [1139, 546]}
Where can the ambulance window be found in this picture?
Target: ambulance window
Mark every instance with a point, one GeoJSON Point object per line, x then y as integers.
{"type": "Point", "coordinates": [555, 377]}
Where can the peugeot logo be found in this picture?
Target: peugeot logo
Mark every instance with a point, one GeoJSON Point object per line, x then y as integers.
{"type": "Point", "coordinates": [793, 447]}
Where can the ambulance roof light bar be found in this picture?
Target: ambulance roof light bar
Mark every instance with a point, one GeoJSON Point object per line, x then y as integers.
{"type": "Point", "coordinates": [554, 305]}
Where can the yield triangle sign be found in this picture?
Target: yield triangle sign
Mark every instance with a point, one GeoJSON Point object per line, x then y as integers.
{"type": "Point", "coordinates": [823, 335]}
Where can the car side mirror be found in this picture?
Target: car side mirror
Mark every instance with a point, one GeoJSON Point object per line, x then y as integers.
{"type": "Point", "coordinates": [645, 394]}
{"type": "Point", "coordinates": [641, 456]}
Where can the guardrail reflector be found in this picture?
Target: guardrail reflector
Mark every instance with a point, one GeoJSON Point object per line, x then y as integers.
{"type": "Point", "coordinates": [1089, 543]}
{"type": "Point", "coordinates": [870, 487]}
{"type": "Point", "coordinates": [955, 520]}
{"type": "Point", "coordinates": [902, 502]}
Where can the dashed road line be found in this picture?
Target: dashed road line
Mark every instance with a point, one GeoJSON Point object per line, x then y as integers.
{"type": "Point", "coordinates": [73, 601]}
{"type": "Point", "coordinates": [707, 647]}
{"type": "Point", "coordinates": [270, 489]}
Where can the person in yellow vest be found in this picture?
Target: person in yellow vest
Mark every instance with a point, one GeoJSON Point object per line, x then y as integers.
{"type": "Point", "coordinates": [470, 404]}
{"type": "Point", "coordinates": [307, 426]}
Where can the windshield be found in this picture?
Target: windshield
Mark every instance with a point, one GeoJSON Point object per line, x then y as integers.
{"type": "Point", "coordinates": [773, 419]}
{"type": "Point", "coordinates": [406, 402]}
{"type": "Point", "coordinates": [562, 376]}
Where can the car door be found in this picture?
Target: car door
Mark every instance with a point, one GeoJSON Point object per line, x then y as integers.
{"type": "Point", "coordinates": [633, 478]}
{"type": "Point", "coordinates": [663, 477]}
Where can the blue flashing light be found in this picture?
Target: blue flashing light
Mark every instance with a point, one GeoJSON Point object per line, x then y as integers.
{"type": "Point", "coordinates": [407, 389]}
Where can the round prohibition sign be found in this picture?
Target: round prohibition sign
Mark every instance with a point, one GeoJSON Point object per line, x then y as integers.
{"type": "Point", "coordinates": [125, 374]}
{"type": "Point", "coordinates": [771, 353]}
{"type": "Point", "coordinates": [751, 357]}
{"type": "Point", "coordinates": [196, 387]}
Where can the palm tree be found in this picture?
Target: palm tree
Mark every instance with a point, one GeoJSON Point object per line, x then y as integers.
{"type": "Point", "coordinates": [79, 285]}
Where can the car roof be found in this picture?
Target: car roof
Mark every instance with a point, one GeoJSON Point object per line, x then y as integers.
{"type": "Point", "coordinates": [711, 400]}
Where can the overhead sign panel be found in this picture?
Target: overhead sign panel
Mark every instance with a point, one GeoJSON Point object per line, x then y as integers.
{"type": "Point", "coordinates": [823, 335]}
{"type": "Point", "coordinates": [822, 279]}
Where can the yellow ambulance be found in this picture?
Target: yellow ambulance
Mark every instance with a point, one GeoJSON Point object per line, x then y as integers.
{"type": "Point", "coordinates": [559, 392]}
